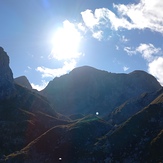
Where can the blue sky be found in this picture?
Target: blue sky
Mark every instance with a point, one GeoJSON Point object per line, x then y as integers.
{"type": "Point", "coordinates": [49, 38]}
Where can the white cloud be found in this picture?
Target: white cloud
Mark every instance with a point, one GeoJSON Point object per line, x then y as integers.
{"type": "Point", "coordinates": [125, 68]}
{"type": "Point", "coordinates": [98, 35]}
{"type": "Point", "coordinates": [29, 67]}
{"type": "Point", "coordinates": [89, 19]}
{"type": "Point", "coordinates": [156, 69]}
{"type": "Point", "coordinates": [124, 39]}
{"type": "Point", "coordinates": [143, 15]}
{"type": "Point", "coordinates": [47, 72]}
{"type": "Point", "coordinates": [41, 86]}
{"type": "Point", "coordinates": [148, 51]}
{"type": "Point", "coordinates": [129, 51]}
{"type": "Point", "coordinates": [117, 47]}
{"type": "Point", "coordinates": [152, 55]}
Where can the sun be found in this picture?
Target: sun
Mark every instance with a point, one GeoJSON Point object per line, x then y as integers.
{"type": "Point", "coordinates": [66, 42]}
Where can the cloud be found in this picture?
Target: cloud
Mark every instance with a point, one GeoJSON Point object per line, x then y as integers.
{"type": "Point", "coordinates": [90, 19]}
{"type": "Point", "coordinates": [130, 51]}
{"type": "Point", "coordinates": [98, 35]}
{"type": "Point", "coordinates": [143, 15]}
{"type": "Point", "coordinates": [124, 39]}
{"type": "Point", "coordinates": [153, 57]}
{"type": "Point", "coordinates": [125, 68]}
{"type": "Point", "coordinates": [156, 69]}
{"type": "Point", "coordinates": [148, 51]}
{"type": "Point", "coordinates": [47, 72]}
{"type": "Point", "coordinates": [41, 86]}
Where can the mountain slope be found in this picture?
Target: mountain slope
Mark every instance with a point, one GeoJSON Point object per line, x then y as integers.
{"type": "Point", "coordinates": [23, 118]}
{"type": "Point", "coordinates": [132, 106]}
{"type": "Point", "coordinates": [86, 90]}
{"type": "Point", "coordinates": [137, 139]}
{"type": "Point", "coordinates": [72, 143]}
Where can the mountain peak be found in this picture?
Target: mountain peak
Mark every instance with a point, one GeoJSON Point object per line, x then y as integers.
{"type": "Point", "coordinates": [86, 90]}
{"type": "Point", "coordinates": [23, 81]}
{"type": "Point", "coordinates": [6, 76]}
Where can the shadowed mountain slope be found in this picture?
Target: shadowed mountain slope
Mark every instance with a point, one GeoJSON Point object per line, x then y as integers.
{"type": "Point", "coordinates": [23, 118]}
{"type": "Point", "coordinates": [137, 139]}
{"type": "Point", "coordinates": [72, 143]}
{"type": "Point", "coordinates": [86, 90]}
{"type": "Point", "coordinates": [132, 106]}
{"type": "Point", "coordinates": [32, 131]}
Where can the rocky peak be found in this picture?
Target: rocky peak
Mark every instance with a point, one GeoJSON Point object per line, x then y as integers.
{"type": "Point", "coordinates": [6, 76]}
{"type": "Point", "coordinates": [23, 81]}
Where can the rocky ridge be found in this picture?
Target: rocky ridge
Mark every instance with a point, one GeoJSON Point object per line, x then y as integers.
{"type": "Point", "coordinates": [7, 88]}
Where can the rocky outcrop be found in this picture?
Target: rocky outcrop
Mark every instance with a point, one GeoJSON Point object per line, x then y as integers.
{"type": "Point", "coordinates": [23, 81]}
{"type": "Point", "coordinates": [6, 76]}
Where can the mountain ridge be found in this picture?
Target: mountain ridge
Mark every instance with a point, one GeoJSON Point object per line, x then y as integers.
{"type": "Point", "coordinates": [87, 87]}
{"type": "Point", "coordinates": [33, 131]}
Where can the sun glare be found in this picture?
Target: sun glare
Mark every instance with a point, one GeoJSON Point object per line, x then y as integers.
{"type": "Point", "coordinates": [66, 41]}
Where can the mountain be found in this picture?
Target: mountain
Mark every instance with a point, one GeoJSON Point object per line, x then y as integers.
{"type": "Point", "coordinates": [24, 114]}
{"type": "Point", "coordinates": [23, 81]}
{"type": "Point", "coordinates": [91, 139]}
{"type": "Point", "coordinates": [136, 140]}
{"type": "Point", "coordinates": [71, 143]}
{"type": "Point", "coordinates": [131, 107]}
{"type": "Point", "coordinates": [6, 76]}
{"type": "Point", "coordinates": [86, 90]}
{"type": "Point", "coordinates": [33, 131]}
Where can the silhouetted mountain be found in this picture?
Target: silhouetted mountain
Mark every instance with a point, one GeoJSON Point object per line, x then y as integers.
{"type": "Point", "coordinates": [132, 106]}
{"type": "Point", "coordinates": [23, 81]}
{"type": "Point", "coordinates": [86, 90]}
{"type": "Point", "coordinates": [71, 143]}
{"type": "Point", "coordinates": [24, 115]}
{"type": "Point", "coordinates": [32, 131]}
{"type": "Point", "coordinates": [137, 139]}
{"type": "Point", "coordinates": [6, 77]}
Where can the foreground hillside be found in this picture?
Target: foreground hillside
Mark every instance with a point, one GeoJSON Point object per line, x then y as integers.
{"type": "Point", "coordinates": [128, 127]}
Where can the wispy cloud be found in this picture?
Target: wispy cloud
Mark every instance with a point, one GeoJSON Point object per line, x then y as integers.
{"type": "Point", "coordinates": [125, 68]}
{"type": "Point", "coordinates": [47, 72]}
{"type": "Point", "coordinates": [98, 35]}
{"type": "Point", "coordinates": [130, 51]}
{"type": "Point", "coordinates": [143, 15]}
{"type": "Point", "coordinates": [148, 51]}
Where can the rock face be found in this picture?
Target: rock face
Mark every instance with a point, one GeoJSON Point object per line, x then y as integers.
{"type": "Point", "coordinates": [6, 76]}
{"type": "Point", "coordinates": [86, 90]}
{"type": "Point", "coordinates": [23, 81]}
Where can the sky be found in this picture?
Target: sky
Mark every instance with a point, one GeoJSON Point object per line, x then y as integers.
{"type": "Point", "coordinates": [48, 38]}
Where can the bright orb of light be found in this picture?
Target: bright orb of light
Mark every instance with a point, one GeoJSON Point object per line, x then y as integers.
{"type": "Point", "coordinates": [97, 113]}
{"type": "Point", "coordinates": [66, 41]}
